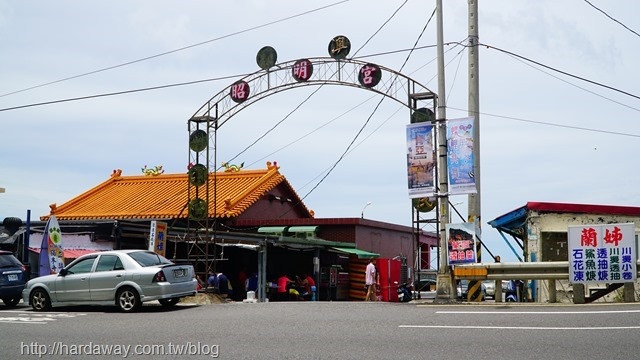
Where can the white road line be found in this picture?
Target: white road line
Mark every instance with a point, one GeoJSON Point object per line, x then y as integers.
{"type": "Point", "coordinates": [541, 312]}
{"type": "Point", "coordinates": [519, 327]}
{"type": "Point", "coordinates": [23, 322]}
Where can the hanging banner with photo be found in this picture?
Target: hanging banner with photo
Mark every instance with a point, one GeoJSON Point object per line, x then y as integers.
{"type": "Point", "coordinates": [460, 156]}
{"type": "Point", "coordinates": [602, 253]}
{"type": "Point", "coordinates": [420, 162]}
{"type": "Point", "coordinates": [157, 237]}
{"type": "Point", "coordinates": [461, 243]}
{"type": "Point", "coordinates": [51, 259]}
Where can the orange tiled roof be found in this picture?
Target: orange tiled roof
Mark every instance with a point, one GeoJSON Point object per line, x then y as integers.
{"type": "Point", "coordinates": [164, 196]}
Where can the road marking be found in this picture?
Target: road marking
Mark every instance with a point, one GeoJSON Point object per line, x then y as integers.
{"type": "Point", "coordinates": [541, 312]}
{"type": "Point", "coordinates": [24, 317]}
{"type": "Point", "coordinates": [519, 327]}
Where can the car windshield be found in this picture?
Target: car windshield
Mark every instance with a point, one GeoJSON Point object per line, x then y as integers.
{"type": "Point", "coordinates": [147, 258]}
{"type": "Point", "coordinates": [8, 260]}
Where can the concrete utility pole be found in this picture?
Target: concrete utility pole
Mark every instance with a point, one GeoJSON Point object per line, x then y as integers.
{"type": "Point", "coordinates": [474, 110]}
{"type": "Point", "coordinates": [445, 289]}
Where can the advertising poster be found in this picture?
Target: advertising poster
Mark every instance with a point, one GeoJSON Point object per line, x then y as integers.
{"type": "Point", "coordinates": [602, 253]}
{"type": "Point", "coordinates": [461, 243]}
{"type": "Point", "coordinates": [157, 237]}
{"type": "Point", "coordinates": [460, 156]}
{"type": "Point", "coordinates": [420, 161]}
{"type": "Point", "coordinates": [51, 251]}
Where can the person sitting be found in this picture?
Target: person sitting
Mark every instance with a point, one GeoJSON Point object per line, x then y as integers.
{"type": "Point", "coordinates": [212, 282]}
{"type": "Point", "coordinates": [252, 283]}
{"type": "Point", "coordinates": [283, 287]}
{"type": "Point", "coordinates": [223, 285]}
{"type": "Point", "coordinates": [308, 286]}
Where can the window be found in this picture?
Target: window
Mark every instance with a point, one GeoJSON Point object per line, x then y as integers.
{"type": "Point", "coordinates": [148, 258]}
{"type": "Point", "coordinates": [82, 266]}
{"type": "Point", "coordinates": [109, 263]}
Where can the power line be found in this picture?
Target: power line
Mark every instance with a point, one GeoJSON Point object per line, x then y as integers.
{"type": "Point", "coordinates": [120, 92]}
{"type": "Point", "coordinates": [551, 124]}
{"type": "Point", "coordinates": [177, 50]}
{"type": "Point", "coordinates": [607, 15]}
{"type": "Point", "coordinates": [562, 72]}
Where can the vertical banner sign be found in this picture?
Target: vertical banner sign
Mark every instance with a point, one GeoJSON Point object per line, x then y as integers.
{"type": "Point", "coordinates": [420, 162]}
{"type": "Point", "coordinates": [157, 237]}
{"type": "Point", "coordinates": [602, 253]}
{"type": "Point", "coordinates": [460, 156]}
{"type": "Point", "coordinates": [461, 243]}
{"type": "Point", "coordinates": [51, 252]}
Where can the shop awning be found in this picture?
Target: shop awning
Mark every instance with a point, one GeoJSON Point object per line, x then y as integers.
{"type": "Point", "coordinates": [362, 254]}
{"type": "Point", "coordinates": [70, 253]}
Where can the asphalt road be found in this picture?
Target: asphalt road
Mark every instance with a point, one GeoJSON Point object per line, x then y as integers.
{"type": "Point", "coordinates": [326, 330]}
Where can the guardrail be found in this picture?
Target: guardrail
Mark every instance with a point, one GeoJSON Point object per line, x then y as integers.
{"type": "Point", "coordinates": [516, 270]}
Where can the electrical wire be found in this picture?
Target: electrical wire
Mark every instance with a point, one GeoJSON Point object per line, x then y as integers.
{"type": "Point", "coordinates": [370, 116]}
{"type": "Point", "coordinates": [550, 124]}
{"type": "Point", "coordinates": [607, 15]}
{"type": "Point", "coordinates": [179, 49]}
{"type": "Point", "coordinates": [560, 71]}
{"type": "Point", "coordinates": [121, 92]}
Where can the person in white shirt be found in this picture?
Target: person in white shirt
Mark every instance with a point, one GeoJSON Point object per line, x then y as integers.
{"type": "Point", "coordinates": [370, 280]}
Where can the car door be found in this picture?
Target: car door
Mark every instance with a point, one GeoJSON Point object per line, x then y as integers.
{"type": "Point", "coordinates": [74, 284]}
{"type": "Point", "coordinates": [109, 272]}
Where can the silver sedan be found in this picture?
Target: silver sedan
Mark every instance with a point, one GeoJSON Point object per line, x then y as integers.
{"type": "Point", "coordinates": [125, 278]}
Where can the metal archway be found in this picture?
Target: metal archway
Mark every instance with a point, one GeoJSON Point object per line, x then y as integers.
{"type": "Point", "coordinates": [221, 107]}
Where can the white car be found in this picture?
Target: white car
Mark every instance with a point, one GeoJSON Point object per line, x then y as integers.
{"type": "Point", "coordinates": [125, 278]}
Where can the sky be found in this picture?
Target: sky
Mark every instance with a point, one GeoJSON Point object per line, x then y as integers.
{"type": "Point", "coordinates": [544, 135]}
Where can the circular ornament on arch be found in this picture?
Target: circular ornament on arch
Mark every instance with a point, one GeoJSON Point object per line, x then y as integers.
{"type": "Point", "coordinates": [198, 175]}
{"type": "Point", "coordinates": [369, 75]}
{"type": "Point", "coordinates": [239, 91]}
{"type": "Point", "coordinates": [339, 47]}
{"type": "Point", "coordinates": [302, 70]}
{"type": "Point", "coordinates": [198, 140]}
{"type": "Point", "coordinates": [267, 57]}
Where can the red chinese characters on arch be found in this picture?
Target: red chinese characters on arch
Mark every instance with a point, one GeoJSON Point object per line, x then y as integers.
{"type": "Point", "coordinates": [370, 75]}
{"type": "Point", "coordinates": [302, 70]}
{"type": "Point", "coordinates": [239, 91]}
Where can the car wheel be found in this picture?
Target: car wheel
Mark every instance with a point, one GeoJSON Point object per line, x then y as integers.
{"type": "Point", "coordinates": [169, 302]}
{"type": "Point", "coordinates": [128, 300]}
{"type": "Point", "coordinates": [11, 302]}
{"type": "Point", "coordinates": [40, 300]}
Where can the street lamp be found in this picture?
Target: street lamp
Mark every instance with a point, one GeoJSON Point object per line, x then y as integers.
{"type": "Point", "coordinates": [362, 212]}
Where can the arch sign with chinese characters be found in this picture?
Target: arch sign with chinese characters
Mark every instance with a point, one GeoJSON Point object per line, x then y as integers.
{"type": "Point", "coordinates": [275, 77]}
{"type": "Point", "coordinates": [602, 253]}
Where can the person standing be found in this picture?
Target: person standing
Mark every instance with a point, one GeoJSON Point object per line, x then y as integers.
{"type": "Point", "coordinates": [370, 280]}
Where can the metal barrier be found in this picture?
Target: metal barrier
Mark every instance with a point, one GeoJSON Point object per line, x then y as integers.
{"type": "Point", "coordinates": [552, 271]}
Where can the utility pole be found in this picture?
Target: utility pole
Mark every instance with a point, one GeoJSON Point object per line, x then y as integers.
{"type": "Point", "coordinates": [445, 289]}
{"type": "Point", "coordinates": [474, 111]}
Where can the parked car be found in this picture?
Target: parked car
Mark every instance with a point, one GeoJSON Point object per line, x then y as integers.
{"type": "Point", "coordinates": [425, 288]}
{"type": "Point", "coordinates": [489, 288]}
{"type": "Point", "coordinates": [13, 277]}
{"type": "Point", "coordinates": [125, 278]}
{"type": "Point", "coordinates": [463, 291]}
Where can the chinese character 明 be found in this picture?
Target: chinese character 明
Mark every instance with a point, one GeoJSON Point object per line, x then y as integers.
{"type": "Point", "coordinates": [589, 237]}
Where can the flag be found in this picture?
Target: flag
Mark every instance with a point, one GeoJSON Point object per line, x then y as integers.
{"type": "Point", "coordinates": [51, 251]}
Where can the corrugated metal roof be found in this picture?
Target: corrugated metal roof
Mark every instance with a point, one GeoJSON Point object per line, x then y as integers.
{"type": "Point", "coordinates": [164, 196]}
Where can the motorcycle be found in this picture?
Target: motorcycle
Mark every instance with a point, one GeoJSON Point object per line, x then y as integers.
{"type": "Point", "coordinates": [404, 292]}
{"type": "Point", "coordinates": [514, 287]}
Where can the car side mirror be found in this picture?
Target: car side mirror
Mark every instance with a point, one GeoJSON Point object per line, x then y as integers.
{"type": "Point", "coordinates": [63, 272]}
